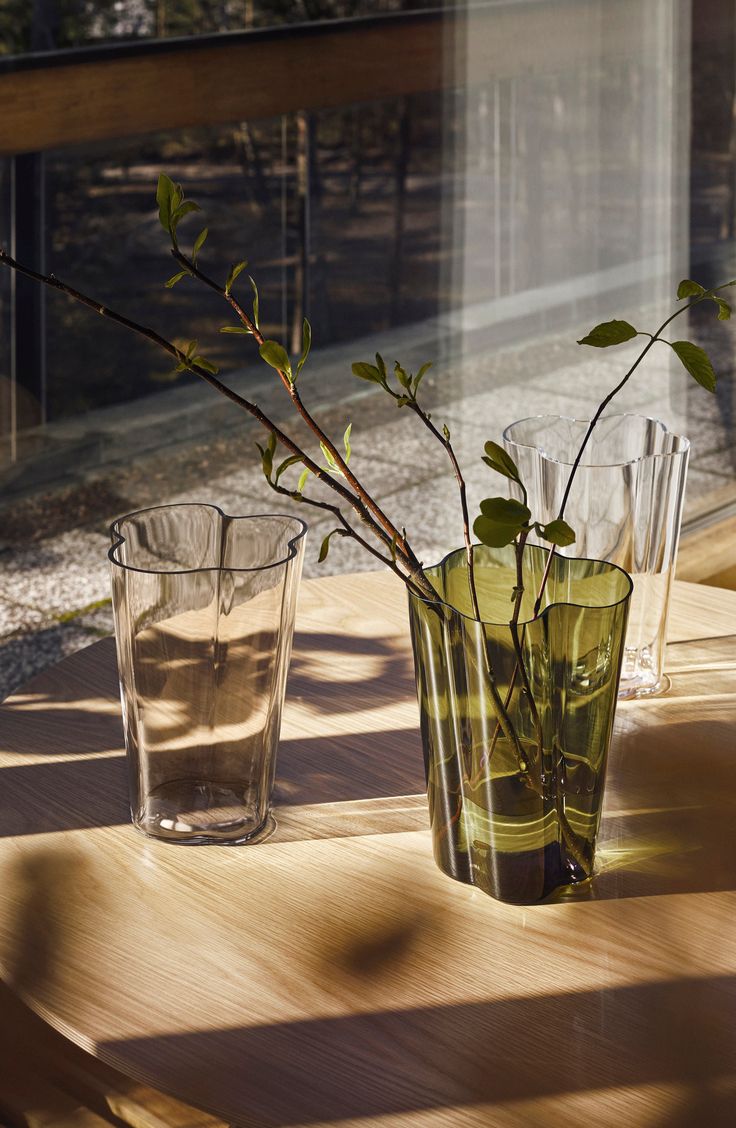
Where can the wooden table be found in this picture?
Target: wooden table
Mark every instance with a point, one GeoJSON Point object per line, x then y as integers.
{"type": "Point", "coordinates": [332, 975]}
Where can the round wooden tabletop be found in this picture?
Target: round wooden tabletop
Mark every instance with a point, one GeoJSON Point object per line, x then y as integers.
{"type": "Point", "coordinates": [332, 975]}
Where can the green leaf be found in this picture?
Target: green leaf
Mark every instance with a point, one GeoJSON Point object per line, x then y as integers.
{"type": "Point", "coordinates": [176, 278]}
{"type": "Point", "coordinates": [381, 365]}
{"type": "Point", "coordinates": [254, 288]}
{"type": "Point", "coordinates": [276, 355]}
{"type": "Point", "coordinates": [558, 532]}
{"type": "Point", "coordinates": [724, 309]}
{"type": "Point", "coordinates": [267, 454]}
{"type": "Point", "coordinates": [494, 535]}
{"type": "Point", "coordinates": [199, 243]}
{"type": "Point", "coordinates": [501, 520]}
{"type": "Point", "coordinates": [402, 401]}
{"type": "Point", "coordinates": [330, 460]}
{"type": "Point", "coordinates": [235, 270]}
{"type": "Point", "coordinates": [689, 289]}
{"type": "Point", "coordinates": [241, 329]}
{"type": "Point", "coordinates": [191, 349]}
{"type": "Point", "coordinates": [346, 441]}
{"type": "Point", "coordinates": [206, 364]}
{"type": "Point", "coordinates": [506, 511]}
{"type": "Point", "coordinates": [306, 345]}
{"type": "Point", "coordinates": [420, 375]}
{"type": "Point", "coordinates": [325, 547]}
{"type": "Point", "coordinates": [165, 191]}
{"type": "Point", "coordinates": [302, 480]}
{"type": "Point", "coordinates": [499, 460]}
{"type": "Point", "coordinates": [367, 372]}
{"type": "Point", "coordinates": [446, 432]}
{"type": "Point", "coordinates": [609, 333]}
{"type": "Point", "coordinates": [697, 363]}
{"type": "Point", "coordinates": [293, 458]}
{"type": "Point", "coordinates": [402, 375]}
{"type": "Point", "coordinates": [178, 214]}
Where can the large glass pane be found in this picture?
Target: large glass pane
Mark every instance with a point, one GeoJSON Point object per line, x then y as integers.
{"type": "Point", "coordinates": [573, 162]}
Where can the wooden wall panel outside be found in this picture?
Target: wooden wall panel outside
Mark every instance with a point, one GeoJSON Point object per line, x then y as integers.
{"type": "Point", "coordinates": [256, 75]}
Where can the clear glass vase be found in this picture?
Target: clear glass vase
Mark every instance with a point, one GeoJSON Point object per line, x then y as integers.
{"type": "Point", "coordinates": [515, 751]}
{"type": "Point", "coordinates": [625, 506]}
{"type": "Point", "coordinates": [204, 609]}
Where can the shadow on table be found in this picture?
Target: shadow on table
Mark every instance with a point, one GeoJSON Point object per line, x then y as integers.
{"type": "Point", "coordinates": [89, 787]}
{"type": "Point", "coordinates": [670, 829]}
{"type": "Point", "coordinates": [670, 824]}
{"type": "Point", "coordinates": [671, 1042]}
{"type": "Point", "coordinates": [391, 678]}
{"type": "Point", "coordinates": [678, 1036]}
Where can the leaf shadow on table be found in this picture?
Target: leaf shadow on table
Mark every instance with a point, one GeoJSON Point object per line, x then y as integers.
{"type": "Point", "coordinates": [669, 823]}
{"type": "Point", "coordinates": [677, 1036]}
{"type": "Point", "coordinates": [72, 795]}
{"type": "Point", "coordinates": [62, 709]}
{"type": "Point", "coordinates": [389, 676]}
{"type": "Point", "coordinates": [62, 712]}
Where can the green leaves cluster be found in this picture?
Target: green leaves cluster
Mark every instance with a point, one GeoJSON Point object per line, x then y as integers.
{"type": "Point", "coordinates": [243, 330]}
{"type": "Point", "coordinates": [690, 289]}
{"type": "Point", "coordinates": [192, 358]}
{"type": "Point", "coordinates": [172, 207]}
{"type": "Point", "coordinates": [693, 358]}
{"type": "Point", "coordinates": [277, 357]}
{"type": "Point", "coordinates": [332, 466]}
{"type": "Point", "coordinates": [273, 473]}
{"type": "Point", "coordinates": [408, 383]}
{"type": "Point", "coordinates": [235, 271]}
{"type": "Point", "coordinates": [503, 519]}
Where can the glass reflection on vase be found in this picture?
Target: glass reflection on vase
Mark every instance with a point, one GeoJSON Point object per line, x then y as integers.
{"type": "Point", "coordinates": [204, 608]}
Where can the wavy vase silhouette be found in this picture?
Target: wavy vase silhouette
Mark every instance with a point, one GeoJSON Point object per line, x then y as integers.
{"type": "Point", "coordinates": [625, 506]}
{"type": "Point", "coordinates": [204, 609]}
{"type": "Point", "coordinates": [515, 799]}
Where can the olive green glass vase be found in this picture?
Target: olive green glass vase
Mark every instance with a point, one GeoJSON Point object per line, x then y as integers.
{"type": "Point", "coordinates": [516, 720]}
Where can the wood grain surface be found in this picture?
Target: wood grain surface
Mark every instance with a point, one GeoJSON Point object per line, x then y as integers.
{"type": "Point", "coordinates": [332, 975]}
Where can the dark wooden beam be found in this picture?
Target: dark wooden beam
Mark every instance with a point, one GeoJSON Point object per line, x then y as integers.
{"type": "Point", "coordinates": [95, 94]}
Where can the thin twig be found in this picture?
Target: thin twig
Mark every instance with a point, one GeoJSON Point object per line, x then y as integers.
{"type": "Point", "coordinates": [415, 572]}
{"type": "Point", "coordinates": [447, 444]}
{"type": "Point", "coordinates": [402, 545]}
{"type": "Point", "coordinates": [599, 411]}
{"type": "Point", "coordinates": [347, 530]}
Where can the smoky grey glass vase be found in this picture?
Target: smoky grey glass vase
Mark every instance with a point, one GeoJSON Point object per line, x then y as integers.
{"type": "Point", "coordinates": [204, 608]}
{"type": "Point", "coordinates": [515, 757]}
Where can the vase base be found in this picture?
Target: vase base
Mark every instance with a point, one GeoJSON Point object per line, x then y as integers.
{"type": "Point", "coordinates": [636, 688]}
{"type": "Point", "coordinates": [523, 878]}
{"type": "Point", "coordinates": [203, 812]}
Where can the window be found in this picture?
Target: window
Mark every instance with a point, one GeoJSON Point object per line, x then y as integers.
{"type": "Point", "coordinates": [476, 188]}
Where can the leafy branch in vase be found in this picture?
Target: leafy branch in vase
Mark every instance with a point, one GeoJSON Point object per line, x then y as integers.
{"type": "Point", "coordinates": [502, 521]}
